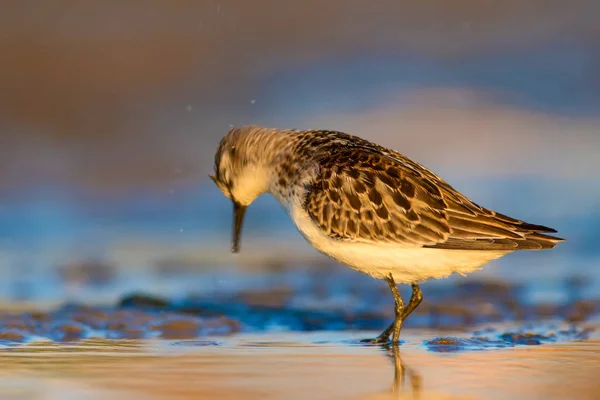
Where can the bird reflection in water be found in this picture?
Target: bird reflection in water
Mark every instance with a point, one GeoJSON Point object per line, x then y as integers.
{"type": "Point", "coordinates": [401, 372]}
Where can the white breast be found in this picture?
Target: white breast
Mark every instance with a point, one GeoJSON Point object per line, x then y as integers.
{"type": "Point", "coordinates": [406, 264]}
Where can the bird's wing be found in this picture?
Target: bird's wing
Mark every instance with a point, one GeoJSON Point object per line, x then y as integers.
{"type": "Point", "coordinates": [363, 194]}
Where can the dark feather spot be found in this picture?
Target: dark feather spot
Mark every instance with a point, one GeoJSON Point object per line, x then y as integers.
{"type": "Point", "coordinates": [394, 173]}
{"type": "Point", "coordinates": [376, 164]}
{"type": "Point", "coordinates": [355, 202]}
{"type": "Point", "coordinates": [351, 226]}
{"type": "Point", "coordinates": [411, 215]}
{"type": "Point", "coordinates": [390, 227]}
{"type": "Point", "coordinates": [400, 200]}
{"type": "Point", "coordinates": [286, 168]}
{"type": "Point", "coordinates": [436, 202]}
{"type": "Point", "coordinates": [334, 196]}
{"type": "Point", "coordinates": [354, 173]}
{"type": "Point", "coordinates": [364, 229]}
{"type": "Point", "coordinates": [382, 212]}
{"type": "Point", "coordinates": [362, 157]}
{"type": "Point", "coordinates": [359, 187]}
{"type": "Point", "coordinates": [282, 182]}
{"type": "Point", "coordinates": [432, 189]}
{"type": "Point", "coordinates": [368, 215]}
{"type": "Point", "coordinates": [337, 181]}
{"type": "Point", "coordinates": [325, 185]}
{"type": "Point", "coordinates": [386, 179]}
{"type": "Point", "coordinates": [408, 189]}
{"type": "Point", "coordinates": [369, 178]}
{"type": "Point", "coordinates": [375, 197]}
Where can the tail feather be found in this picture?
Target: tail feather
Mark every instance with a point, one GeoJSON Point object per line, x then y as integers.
{"type": "Point", "coordinates": [498, 232]}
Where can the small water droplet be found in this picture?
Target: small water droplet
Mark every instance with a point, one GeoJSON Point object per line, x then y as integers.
{"type": "Point", "coordinates": [252, 101]}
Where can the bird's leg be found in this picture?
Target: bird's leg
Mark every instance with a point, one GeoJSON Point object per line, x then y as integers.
{"type": "Point", "coordinates": [397, 324]}
{"type": "Point", "coordinates": [399, 310]}
{"type": "Point", "coordinates": [415, 300]}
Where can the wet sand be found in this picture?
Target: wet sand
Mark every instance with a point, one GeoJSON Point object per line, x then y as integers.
{"type": "Point", "coordinates": [317, 365]}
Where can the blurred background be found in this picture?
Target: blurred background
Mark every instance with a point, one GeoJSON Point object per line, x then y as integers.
{"type": "Point", "coordinates": [110, 113]}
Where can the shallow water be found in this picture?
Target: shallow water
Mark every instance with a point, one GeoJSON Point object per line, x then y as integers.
{"type": "Point", "coordinates": [317, 365]}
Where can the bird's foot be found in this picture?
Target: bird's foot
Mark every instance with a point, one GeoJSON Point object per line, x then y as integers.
{"type": "Point", "coordinates": [377, 340]}
{"type": "Point", "coordinates": [384, 338]}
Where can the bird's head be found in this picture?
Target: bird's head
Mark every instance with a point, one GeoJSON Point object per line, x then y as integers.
{"type": "Point", "coordinates": [242, 169]}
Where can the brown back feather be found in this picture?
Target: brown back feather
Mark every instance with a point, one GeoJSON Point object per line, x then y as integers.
{"type": "Point", "coordinates": [366, 193]}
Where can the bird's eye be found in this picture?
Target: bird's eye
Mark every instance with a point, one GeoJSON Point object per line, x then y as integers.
{"type": "Point", "coordinates": [232, 151]}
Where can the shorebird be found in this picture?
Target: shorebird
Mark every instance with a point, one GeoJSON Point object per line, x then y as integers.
{"type": "Point", "coordinates": [368, 207]}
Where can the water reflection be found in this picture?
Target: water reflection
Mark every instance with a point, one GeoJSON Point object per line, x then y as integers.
{"type": "Point", "coordinates": [296, 366]}
{"type": "Point", "coordinates": [403, 371]}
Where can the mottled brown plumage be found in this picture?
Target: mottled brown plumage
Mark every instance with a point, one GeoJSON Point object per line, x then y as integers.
{"type": "Point", "coordinates": [364, 192]}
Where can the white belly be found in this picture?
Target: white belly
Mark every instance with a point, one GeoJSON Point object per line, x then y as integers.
{"type": "Point", "coordinates": [406, 264]}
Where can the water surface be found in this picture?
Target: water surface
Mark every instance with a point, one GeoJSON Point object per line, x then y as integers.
{"type": "Point", "coordinates": [317, 365]}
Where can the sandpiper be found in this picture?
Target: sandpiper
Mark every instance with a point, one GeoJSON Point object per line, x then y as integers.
{"type": "Point", "coordinates": [368, 207]}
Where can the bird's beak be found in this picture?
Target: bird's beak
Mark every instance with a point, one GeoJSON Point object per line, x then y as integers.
{"type": "Point", "coordinates": [238, 219]}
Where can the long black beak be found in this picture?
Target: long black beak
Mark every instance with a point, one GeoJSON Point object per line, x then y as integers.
{"type": "Point", "coordinates": [238, 220]}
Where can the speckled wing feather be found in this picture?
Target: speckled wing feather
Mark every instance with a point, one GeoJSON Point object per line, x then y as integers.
{"type": "Point", "coordinates": [369, 194]}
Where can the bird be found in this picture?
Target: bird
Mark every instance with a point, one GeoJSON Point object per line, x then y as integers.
{"type": "Point", "coordinates": [368, 207]}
